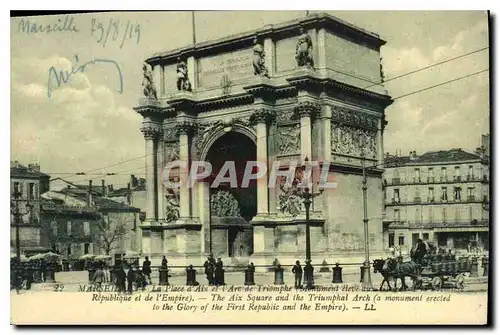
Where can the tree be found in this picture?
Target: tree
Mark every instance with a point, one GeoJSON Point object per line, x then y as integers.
{"type": "Point", "coordinates": [107, 235]}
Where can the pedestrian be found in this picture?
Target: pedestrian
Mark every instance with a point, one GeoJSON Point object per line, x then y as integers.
{"type": "Point", "coordinates": [99, 278]}
{"type": "Point", "coordinates": [146, 269]}
{"type": "Point", "coordinates": [164, 262]}
{"type": "Point", "coordinates": [297, 271]}
{"type": "Point", "coordinates": [121, 277]}
{"type": "Point", "coordinates": [130, 280]}
{"type": "Point", "coordinates": [219, 272]}
{"type": "Point", "coordinates": [106, 273]}
{"type": "Point", "coordinates": [308, 274]}
{"type": "Point", "coordinates": [209, 272]}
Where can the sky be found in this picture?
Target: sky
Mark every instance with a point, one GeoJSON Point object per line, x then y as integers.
{"type": "Point", "coordinates": [88, 124]}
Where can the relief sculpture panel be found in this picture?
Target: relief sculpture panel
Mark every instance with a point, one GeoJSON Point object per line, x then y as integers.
{"type": "Point", "coordinates": [347, 140]}
{"type": "Point", "coordinates": [288, 138]}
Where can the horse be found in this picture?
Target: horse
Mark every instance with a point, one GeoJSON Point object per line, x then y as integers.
{"type": "Point", "coordinates": [379, 265]}
{"type": "Point", "coordinates": [402, 270]}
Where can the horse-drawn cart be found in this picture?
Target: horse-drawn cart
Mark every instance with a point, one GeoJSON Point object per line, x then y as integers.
{"type": "Point", "coordinates": [444, 270]}
{"type": "Point", "coordinates": [437, 271]}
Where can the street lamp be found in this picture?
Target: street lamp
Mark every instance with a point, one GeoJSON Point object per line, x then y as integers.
{"type": "Point", "coordinates": [18, 217]}
{"type": "Point", "coordinates": [367, 280]}
{"type": "Point", "coordinates": [307, 197]}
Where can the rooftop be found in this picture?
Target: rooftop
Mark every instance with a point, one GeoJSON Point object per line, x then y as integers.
{"type": "Point", "coordinates": [21, 171]}
{"type": "Point", "coordinates": [441, 156]}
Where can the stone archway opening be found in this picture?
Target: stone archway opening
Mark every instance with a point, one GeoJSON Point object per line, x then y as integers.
{"type": "Point", "coordinates": [232, 208]}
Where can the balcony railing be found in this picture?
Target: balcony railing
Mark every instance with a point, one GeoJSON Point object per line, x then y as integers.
{"type": "Point", "coordinates": [438, 180]}
{"type": "Point", "coordinates": [430, 200]}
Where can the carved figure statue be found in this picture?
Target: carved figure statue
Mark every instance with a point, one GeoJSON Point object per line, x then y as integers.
{"type": "Point", "coordinates": [289, 199]}
{"type": "Point", "coordinates": [223, 204]}
{"type": "Point", "coordinates": [171, 206]}
{"type": "Point", "coordinates": [149, 90]}
{"type": "Point", "coordinates": [303, 50]}
{"type": "Point", "coordinates": [183, 83]}
{"type": "Point", "coordinates": [259, 66]}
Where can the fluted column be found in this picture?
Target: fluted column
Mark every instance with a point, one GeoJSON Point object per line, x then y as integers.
{"type": "Point", "coordinates": [160, 162]}
{"type": "Point", "coordinates": [262, 118]}
{"type": "Point", "coordinates": [184, 130]}
{"type": "Point", "coordinates": [305, 111]}
{"type": "Point", "coordinates": [380, 141]}
{"type": "Point", "coordinates": [150, 132]}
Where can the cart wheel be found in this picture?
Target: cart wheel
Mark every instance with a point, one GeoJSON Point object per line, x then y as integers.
{"type": "Point", "coordinates": [437, 283]}
{"type": "Point", "coordinates": [459, 283]}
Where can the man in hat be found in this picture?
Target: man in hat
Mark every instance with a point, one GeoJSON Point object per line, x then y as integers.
{"type": "Point", "coordinates": [297, 271]}
{"type": "Point", "coordinates": [419, 251]}
{"type": "Point", "coordinates": [146, 269]}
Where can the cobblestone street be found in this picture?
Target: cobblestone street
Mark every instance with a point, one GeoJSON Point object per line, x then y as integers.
{"type": "Point", "coordinates": [74, 279]}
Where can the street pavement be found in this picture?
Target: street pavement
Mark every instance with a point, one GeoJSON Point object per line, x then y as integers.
{"type": "Point", "coordinates": [73, 279]}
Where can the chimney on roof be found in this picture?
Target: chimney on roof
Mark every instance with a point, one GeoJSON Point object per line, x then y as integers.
{"type": "Point", "coordinates": [128, 186]}
{"type": "Point", "coordinates": [34, 167]}
{"type": "Point", "coordinates": [89, 198]}
{"type": "Point", "coordinates": [485, 144]}
{"type": "Point", "coordinates": [133, 181]}
{"type": "Point", "coordinates": [413, 155]}
{"type": "Point", "coordinates": [103, 188]}
{"type": "Point", "coordinates": [110, 188]}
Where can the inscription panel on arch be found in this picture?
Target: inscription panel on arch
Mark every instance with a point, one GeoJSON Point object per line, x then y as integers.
{"type": "Point", "coordinates": [236, 65]}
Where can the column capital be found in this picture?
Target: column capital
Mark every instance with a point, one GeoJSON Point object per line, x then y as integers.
{"type": "Point", "coordinates": [185, 127]}
{"type": "Point", "coordinates": [263, 115]}
{"type": "Point", "coordinates": [306, 108]}
{"type": "Point", "coordinates": [151, 131]}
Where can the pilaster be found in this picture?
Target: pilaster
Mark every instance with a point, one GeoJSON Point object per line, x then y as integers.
{"type": "Point", "coordinates": [151, 131]}
{"type": "Point", "coordinates": [185, 131]}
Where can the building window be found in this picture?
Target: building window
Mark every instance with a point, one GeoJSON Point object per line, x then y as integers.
{"type": "Point", "coordinates": [444, 176]}
{"type": "Point", "coordinates": [86, 228]}
{"type": "Point", "coordinates": [401, 240]}
{"type": "Point", "coordinates": [31, 191]}
{"type": "Point", "coordinates": [68, 228]}
{"type": "Point", "coordinates": [425, 236]}
{"type": "Point", "coordinates": [457, 173]}
{"type": "Point", "coordinates": [417, 215]}
{"type": "Point", "coordinates": [431, 194]}
{"type": "Point", "coordinates": [16, 187]}
{"type": "Point", "coordinates": [457, 214]}
{"type": "Point", "coordinates": [417, 194]}
{"type": "Point", "coordinates": [396, 195]}
{"type": "Point", "coordinates": [444, 194]}
{"type": "Point", "coordinates": [444, 214]}
{"type": "Point", "coordinates": [431, 218]}
{"type": "Point", "coordinates": [470, 175]}
{"type": "Point", "coordinates": [470, 193]}
{"type": "Point", "coordinates": [470, 213]}
{"type": "Point", "coordinates": [86, 248]}
{"type": "Point", "coordinates": [395, 176]}
{"type": "Point", "coordinates": [53, 226]}
{"type": "Point", "coordinates": [458, 194]}
{"type": "Point", "coordinates": [431, 175]}
{"type": "Point", "coordinates": [391, 239]}
{"type": "Point", "coordinates": [397, 215]}
{"type": "Point", "coordinates": [417, 175]}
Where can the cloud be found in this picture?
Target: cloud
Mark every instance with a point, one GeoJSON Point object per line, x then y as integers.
{"type": "Point", "coordinates": [73, 129]}
{"type": "Point", "coordinates": [453, 114]}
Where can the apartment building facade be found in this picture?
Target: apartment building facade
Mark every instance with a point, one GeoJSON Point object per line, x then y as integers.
{"type": "Point", "coordinates": [441, 196]}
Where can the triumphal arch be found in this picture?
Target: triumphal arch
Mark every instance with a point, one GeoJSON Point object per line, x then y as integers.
{"type": "Point", "coordinates": [303, 90]}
